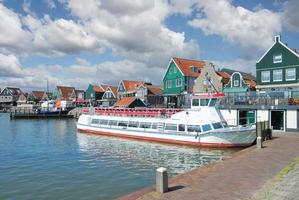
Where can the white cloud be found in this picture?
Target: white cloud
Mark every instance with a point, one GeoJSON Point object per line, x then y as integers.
{"type": "Point", "coordinates": [10, 66]}
{"type": "Point", "coordinates": [290, 15]}
{"type": "Point", "coordinates": [252, 30]}
{"type": "Point", "coordinates": [247, 66]}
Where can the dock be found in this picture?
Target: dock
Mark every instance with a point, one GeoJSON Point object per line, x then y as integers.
{"type": "Point", "coordinates": [242, 176]}
{"type": "Point", "coordinates": [34, 114]}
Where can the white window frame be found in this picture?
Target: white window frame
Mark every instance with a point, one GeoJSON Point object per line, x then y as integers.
{"type": "Point", "coordinates": [279, 60]}
{"type": "Point", "coordinates": [168, 84]}
{"type": "Point", "coordinates": [268, 80]}
{"type": "Point", "coordinates": [277, 70]}
{"type": "Point", "coordinates": [287, 71]}
{"type": "Point", "coordinates": [236, 83]}
{"type": "Point", "coordinates": [179, 84]}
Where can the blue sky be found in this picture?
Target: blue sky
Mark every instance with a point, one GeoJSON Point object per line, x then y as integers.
{"type": "Point", "coordinates": [103, 41]}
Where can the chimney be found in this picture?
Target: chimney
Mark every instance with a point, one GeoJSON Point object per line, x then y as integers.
{"type": "Point", "coordinates": [277, 38]}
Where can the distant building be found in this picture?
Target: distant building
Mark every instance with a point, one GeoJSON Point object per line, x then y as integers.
{"type": "Point", "coordinates": [239, 84]}
{"type": "Point", "coordinates": [209, 80]}
{"type": "Point", "coordinates": [128, 88]}
{"type": "Point", "coordinates": [12, 96]}
{"type": "Point", "coordinates": [278, 68]}
{"type": "Point", "coordinates": [129, 102]}
{"type": "Point", "coordinates": [95, 92]}
{"type": "Point", "coordinates": [65, 93]}
{"type": "Point", "coordinates": [110, 96]}
{"type": "Point", "coordinates": [37, 96]}
{"type": "Point", "coordinates": [80, 94]}
{"type": "Point", "coordinates": [178, 80]}
{"type": "Point", "coordinates": [151, 95]}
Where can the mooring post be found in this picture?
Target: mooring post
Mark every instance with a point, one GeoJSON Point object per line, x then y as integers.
{"type": "Point", "coordinates": [259, 129]}
{"type": "Point", "coordinates": [259, 142]}
{"type": "Point", "coordinates": [161, 180]}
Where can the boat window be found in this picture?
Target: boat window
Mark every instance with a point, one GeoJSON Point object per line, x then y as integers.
{"type": "Point", "coordinates": [123, 123]}
{"type": "Point", "coordinates": [206, 127]}
{"type": "Point", "coordinates": [104, 122]}
{"type": "Point", "coordinates": [224, 124]}
{"type": "Point", "coordinates": [213, 102]}
{"type": "Point", "coordinates": [95, 121]}
{"type": "Point", "coordinates": [154, 126]}
{"type": "Point", "coordinates": [113, 123]}
{"type": "Point", "coordinates": [133, 124]}
{"type": "Point", "coordinates": [195, 102]}
{"type": "Point", "coordinates": [181, 127]}
{"type": "Point", "coordinates": [194, 128]}
{"type": "Point", "coordinates": [171, 127]}
{"type": "Point", "coordinates": [217, 125]}
{"type": "Point", "coordinates": [145, 125]}
{"type": "Point", "coordinates": [204, 102]}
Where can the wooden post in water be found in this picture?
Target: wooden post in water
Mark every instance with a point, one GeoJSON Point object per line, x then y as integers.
{"type": "Point", "coordinates": [161, 180]}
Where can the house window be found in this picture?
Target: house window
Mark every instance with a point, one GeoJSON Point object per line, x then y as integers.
{"type": "Point", "coordinates": [277, 75]}
{"type": "Point", "coordinates": [277, 58]}
{"type": "Point", "coordinates": [236, 83]}
{"type": "Point", "coordinates": [290, 74]}
{"type": "Point", "coordinates": [179, 82]}
{"type": "Point", "coordinates": [265, 76]}
{"type": "Point", "coordinates": [168, 84]}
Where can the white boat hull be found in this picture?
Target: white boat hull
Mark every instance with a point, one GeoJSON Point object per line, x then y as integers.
{"type": "Point", "coordinates": [229, 137]}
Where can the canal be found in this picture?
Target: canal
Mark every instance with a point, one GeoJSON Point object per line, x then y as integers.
{"type": "Point", "coordinates": [48, 159]}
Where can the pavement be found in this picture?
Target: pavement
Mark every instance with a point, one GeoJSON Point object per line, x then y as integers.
{"type": "Point", "coordinates": [268, 173]}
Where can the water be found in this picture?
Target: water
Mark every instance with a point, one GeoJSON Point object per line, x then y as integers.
{"type": "Point", "coordinates": [48, 159]}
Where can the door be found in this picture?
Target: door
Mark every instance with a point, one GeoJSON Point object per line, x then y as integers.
{"type": "Point", "coordinates": [277, 120]}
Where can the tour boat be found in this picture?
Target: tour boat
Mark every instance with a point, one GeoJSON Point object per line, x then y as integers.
{"type": "Point", "coordinates": [201, 125]}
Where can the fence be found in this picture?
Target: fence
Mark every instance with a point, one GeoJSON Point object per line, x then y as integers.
{"type": "Point", "coordinates": [261, 98]}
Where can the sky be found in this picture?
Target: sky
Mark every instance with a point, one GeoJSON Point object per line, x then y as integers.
{"type": "Point", "coordinates": [75, 42]}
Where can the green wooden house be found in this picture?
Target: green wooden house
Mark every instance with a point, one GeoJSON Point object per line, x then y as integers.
{"type": "Point", "coordinates": [178, 80]}
{"type": "Point", "coordinates": [239, 84]}
{"type": "Point", "coordinates": [95, 92]}
{"type": "Point", "coordinates": [278, 68]}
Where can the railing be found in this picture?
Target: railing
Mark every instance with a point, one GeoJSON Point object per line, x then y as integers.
{"type": "Point", "coordinates": [137, 112]}
{"type": "Point", "coordinates": [261, 98]}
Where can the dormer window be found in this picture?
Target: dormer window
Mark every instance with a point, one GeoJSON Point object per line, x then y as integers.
{"type": "Point", "coordinates": [277, 58]}
{"type": "Point", "coordinates": [194, 69]}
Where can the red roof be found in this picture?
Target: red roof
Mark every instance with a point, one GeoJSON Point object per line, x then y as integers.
{"type": "Point", "coordinates": [114, 90]}
{"type": "Point", "coordinates": [66, 92]}
{"type": "Point", "coordinates": [131, 86]}
{"type": "Point", "coordinates": [125, 102]}
{"type": "Point", "coordinates": [98, 88]}
{"type": "Point", "coordinates": [38, 94]}
{"type": "Point", "coordinates": [223, 74]}
{"type": "Point", "coordinates": [185, 66]}
{"type": "Point", "coordinates": [154, 89]}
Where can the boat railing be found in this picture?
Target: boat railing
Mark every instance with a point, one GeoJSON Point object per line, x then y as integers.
{"type": "Point", "coordinates": [132, 112]}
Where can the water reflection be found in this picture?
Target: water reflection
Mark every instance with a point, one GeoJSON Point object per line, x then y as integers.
{"type": "Point", "coordinates": [143, 155]}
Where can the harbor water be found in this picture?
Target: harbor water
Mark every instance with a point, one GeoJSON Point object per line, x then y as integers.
{"type": "Point", "coordinates": [48, 159]}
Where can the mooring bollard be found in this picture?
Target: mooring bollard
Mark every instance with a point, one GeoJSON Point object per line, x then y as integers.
{"type": "Point", "coordinates": [259, 142]}
{"type": "Point", "coordinates": [161, 180]}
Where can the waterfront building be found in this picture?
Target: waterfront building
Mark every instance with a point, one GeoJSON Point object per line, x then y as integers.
{"type": "Point", "coordinates": [95, 92]}
{"type": "Point", "coordinates": [239, 83]}
{"type": "Point", "coordinates": [129, 102]}
{"type": "Point", "coordinates": [64, 93]}
{"type": "Point", "coordinates": [80, 94]}
{"type": "Point", "coordinates": [278, 68]}
{"type": "Point", "coordinates": [151, 95]}
{"type": "Point", "coordinates": [37, 96]}
{"type": "Point", "coordinates": [127, 88]}
{"type": "Point", "coordinates": [110, 96]}
{"type": "Point", "coordinates": [210, 80]}
{"type": "Point", "coordinates": [178, 80]}
{"type": "Point", "coordinates": [12, 96]}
